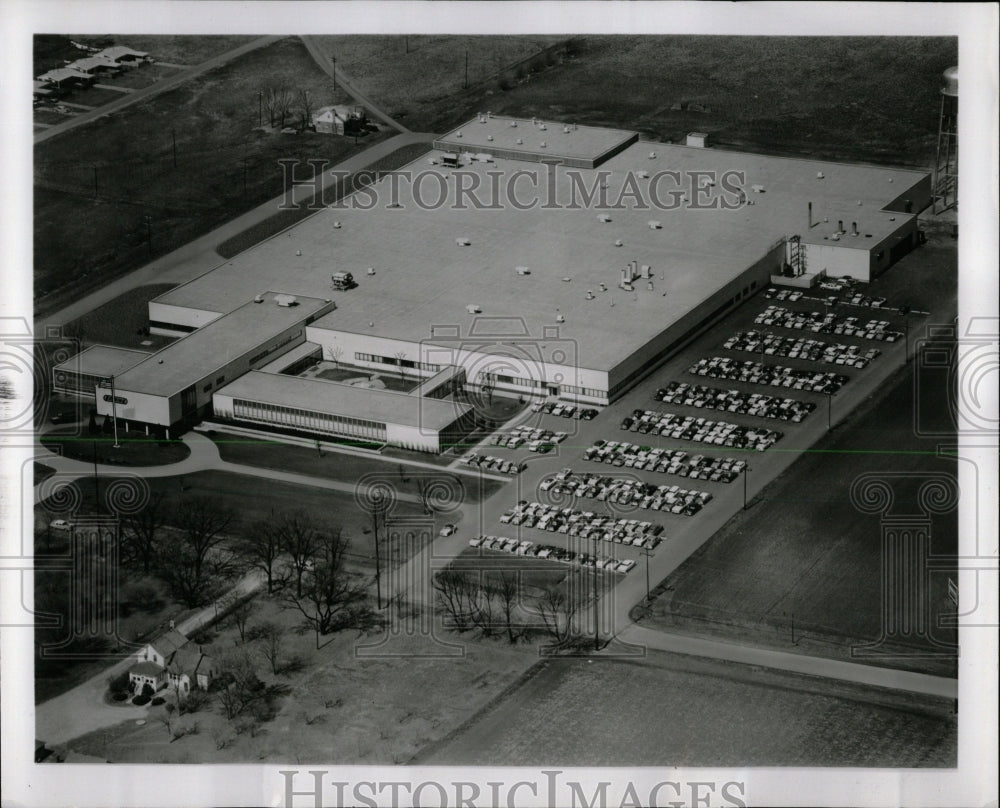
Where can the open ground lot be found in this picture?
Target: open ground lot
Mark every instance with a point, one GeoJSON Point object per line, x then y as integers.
{"type": "Point", "coordinates": [843, 98]}
{"type": "Point", "coordinates": [356, 700]}
{"type": "Point", "coordinates": [121, 322]}
{"type": "Point", "coordinates": [670, 710]}
{"type": "Point", "coordinates": [127, 202]}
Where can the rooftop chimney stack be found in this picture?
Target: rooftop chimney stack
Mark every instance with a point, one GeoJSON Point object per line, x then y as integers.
{"type": "Point", "coordinates": [840, 226]}
{"type": "Point", "coordinates": [854, 228]}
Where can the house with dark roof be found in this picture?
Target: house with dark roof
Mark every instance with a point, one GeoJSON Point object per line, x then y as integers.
{"type": "Point", "coordinates": [171, 660]}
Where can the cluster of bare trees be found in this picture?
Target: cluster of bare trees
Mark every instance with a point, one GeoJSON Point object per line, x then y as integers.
{"type": "Point", "coordinates": [495, 604]}
{"type": "Point", "coordinates": [281, 105]}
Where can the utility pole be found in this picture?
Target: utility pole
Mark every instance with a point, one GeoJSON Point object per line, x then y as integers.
{"type": "Point", "coordinates": [645, 552]}
{"type": "Point", "coordinates": [114, 412]}
{"type": "Point", "coordinates": [597, 612]}
{"type": "Point", "coordinates": [378, 559]}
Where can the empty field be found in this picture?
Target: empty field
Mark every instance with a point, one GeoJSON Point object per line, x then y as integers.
{"type": "Point", "coordinates": [121, 321]}
{"type": "Point", "coordinates": [848, 98]}
{"type": "Point", "coordinates": [128, 201]}
{"type": "Point", "coordinates": [671, 710]}
{"type": "Point", "coordinates": [416, 78]}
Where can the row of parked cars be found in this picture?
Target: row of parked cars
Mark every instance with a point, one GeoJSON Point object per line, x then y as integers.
{"type": "Point", "coordinates": [629, 491]}
{"type": "Point", "coordinates": [828, 323]}
{"type": "Point", "coordinates": [537, 440]}
{"type": "Point", "coordinates": [715, 398]}
{"type": "Point", "coordinates": [565, 410]}
{"type": "Point", "coordinates": [665, 461]}
{"type": "Point", "coordinates": [505, 544]}
{"type": "Point", "coordinates": [583, 524]}
{"type": "Point", "coordinates": [490, 463]}
{"type": "Point", "coordinates": [722, 367]}
{"type": "Point", "coordinates": [783, 294]}
{"type": "Point", "coordinates": [813, 350]}
{"type": "Point", "coordinates": [702, 430]}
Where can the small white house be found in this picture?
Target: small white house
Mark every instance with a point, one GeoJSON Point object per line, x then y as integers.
{"type": "Point", "coordinates": [338, 119]}
{"type": "Point", "coordinates": [171, 659]}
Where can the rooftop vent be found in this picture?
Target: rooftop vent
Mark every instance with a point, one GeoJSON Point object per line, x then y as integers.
{"type": "Point", "coordinates": [258, 299]}
{"type": "Point", "coordinates": [642, 174]}
{"type": "Point", "coordinates": [513, 124]}
{"type": "Point", "coordinates": [371, 270]}
{"type": "Point", "coordinates": [604, 217]}
{"type": "Point", "coordinates": [543, 144]}
{"type": "Point", "coordinates": [519, 141]}
{"type": "Point", "coordinates": [473, 308]}
{"type": "Point", "coordinates": [298, 252]}
{"type": "Point", "coordinates": [462, 241]}
{"type": "Point", "coordinates": [489, 138]}
{"type": "Point", "coordinates": [652, 155]}
{"type": "Point", "coordinates": [522, 270]}
{"type": "Point", "coordinates": [655, 225]}
{"type": "Point", "coordinates": [618, 242]}
{"type": "Point", "coordinates": [458, 134]}
{"type": "Point", "coordinates": [542, 126]}
{"type": "Point", "coordinates": [565, 130]}
{"type": "Point", "coordinates": [819, 175]}
{"type": "Point", "coordinates": [560, 318]}
{"type": "Point", "coordinates": [590, 294]}
{"type": "Point", "coordinates": [566, 279]}
{"type": "Point", "coordinates": [285, 300]}
{"type": "Point", "coordinates": [758, 188]}
{"type": "Point", "coordinates": [336, 225]}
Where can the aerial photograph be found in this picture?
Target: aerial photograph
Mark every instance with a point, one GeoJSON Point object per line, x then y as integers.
{"type": "Point", "coordinates": [496, 400]}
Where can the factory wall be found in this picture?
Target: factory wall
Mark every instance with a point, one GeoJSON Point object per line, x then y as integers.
{"type": "Point", "coordinates": [888, 251]}
{"type": "Point", "coordinates": [918, 195]}
{"type": "Point", "coordinates": [643, 361]}
{"type": "Point", "coordinates": [839, 258]}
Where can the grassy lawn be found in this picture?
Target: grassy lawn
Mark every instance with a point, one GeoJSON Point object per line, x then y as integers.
{"type": "Point", "coordinates": [346, 468]}
{"type": "Point", "coordinates": [390, 382]}
{"type": "Point", "coordinates": [259, 498]}
{"type": "Point", "coordinates": [43, 115]}
{"type": "Point", "coordinates": [340, 706]}
{"type": "Point", "coordinates": [119, 321]}
{"type": "Point", "coordinates": [135, 448]}
{"type": "Point", "coordinates": [670, 710]}
{"type": "Point", "coordinates": [182, 50]}
{"type": "Point", "coordinates": [86, 236]}
{"type": "Point", "coordinates": [97, 96]}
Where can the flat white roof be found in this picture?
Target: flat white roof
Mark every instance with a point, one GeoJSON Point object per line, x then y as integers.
{"type": "Point", "coordinates": [103, 360]}
{"type": "Point", "coordinates": [335, 398]}
{"type": "Point", "coordinates": [423, 279]}
{"type": "Point", "coordinates": [213, 346]}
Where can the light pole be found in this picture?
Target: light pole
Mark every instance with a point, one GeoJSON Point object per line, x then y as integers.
{"type": "Point", "coordinates": [746, 470]}
{"type": "Point", "coordinates": [829, 409]}
{"type": "Point", "coordinates": [645, 552]}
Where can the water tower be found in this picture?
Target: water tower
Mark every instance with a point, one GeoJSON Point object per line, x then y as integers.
{"type": "Point", "coordinates": [946, 168]}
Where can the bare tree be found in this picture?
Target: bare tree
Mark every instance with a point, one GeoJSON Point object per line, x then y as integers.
{"type": "Point", "coordinates": [241, 687]}
{"type": "Point", "coordinates": [508, 592]}
{"type": "Point", "coordinates": [299, 538]}
{"type": "Point", "coordinates": [400, 356]}
{"type": "Point", "coordinates": [336, 354]}
{"type": "Point", "coordinates": [272, 636]}
{"type": "Point", "coordinates": [198, 561]}
{"type": "Point", "coordinates": [279, 103]}
{"type": "Point", "coordinates": [260, 549]}
{"type": "Point", "coordinates": [451, 585]}
{"type": "Point", "coordinates": [141, 533]}
{"type": "Point", "coordinates": [557, 610]}
{"type": "Point", "coordinates": [331, 598]}
{"type": "Point", "coordinates": [240, 613]}
{"type": "Point", "coordinates": [306, 108]}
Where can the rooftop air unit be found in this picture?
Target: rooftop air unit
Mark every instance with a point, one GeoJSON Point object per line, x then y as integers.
{"type": "Point", "coordinates": [652, 155]}
{"type": "Point", "coordinates": [655, 225]}
{"type": "Point", "coordinates": [473, 308]}
{"type": "Point", "coordinates": [618, 242]}
{"type": "Point", "coordinates": [523, 271]}
{"type": "Point", "coordinates": [519, 141]}
{"type": "Point", "coordinates": [342, 280]}
{"type": "Point", "coordinates": [370, 270]}
{"type": "Point", "coordinates": [461, 241]}
{"type": "Point", "coordinates": [604, 217]}
{"type": "Point", "coordinates": [642, 174]}
{"type": "Point", "coordinates": [513, 124]}
{"type": "Point", "coordinates": [646, 271]}
{"type": "Point", "coordinates": [336, 225]}
{"type": "Point", "coordinates": [285, 301]}
{"type": "Point", "coordinates": [560, 318]}
{"type": "Point", "coordinates": [489, 138]}
{"type": "Point", "coordinates": [258, 299]}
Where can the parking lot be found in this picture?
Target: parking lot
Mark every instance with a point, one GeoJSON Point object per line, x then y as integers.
{"type": "Point", "coordinates": [612, 464]}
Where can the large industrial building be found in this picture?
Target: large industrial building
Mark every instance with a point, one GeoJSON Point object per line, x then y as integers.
{"type": "Point", "coordinates": [539, 259]}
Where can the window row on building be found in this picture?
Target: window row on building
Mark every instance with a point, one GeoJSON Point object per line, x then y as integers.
{"type": "Point", "coordinates": [397, 362]}
{"type": "Point", "coordinates": [295, 418]}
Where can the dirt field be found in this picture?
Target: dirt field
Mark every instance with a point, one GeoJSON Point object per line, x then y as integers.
{"type": "Point", "coordinates": [91, 214]}
{"type": "Point", "coordinates": [672, 710]}
{"type": "Point", "coordinates": [848, 98]}
{"type": "Point", "coordinates": [803, 555]}
{"type": "Point", "coordinates": [416, 78]}
{"type": "Point", "coordinates": [341, 706]}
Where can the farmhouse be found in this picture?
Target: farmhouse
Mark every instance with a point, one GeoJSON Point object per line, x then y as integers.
{"type": "Point", "coordinates": [338, 120]}
{"type": "Point", "coordinates": [172, 659]}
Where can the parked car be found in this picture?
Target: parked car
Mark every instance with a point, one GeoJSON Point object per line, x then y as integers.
{"type": "Point", "coordinates": [60, 524]}
{"type": "Point", "coordinates": [447, 530]}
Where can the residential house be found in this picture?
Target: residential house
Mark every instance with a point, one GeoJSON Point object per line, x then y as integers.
{"type": "Point", "coordinates": [124, 57]}
{"type": "Point", "coordinates": [67, 77]}
{"type": "Point", "coordinates": [338, 119]}
{"type": "Point", "coordinates": [94, 66]}
{"type": "Point", "coordinates": [171, 659]}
